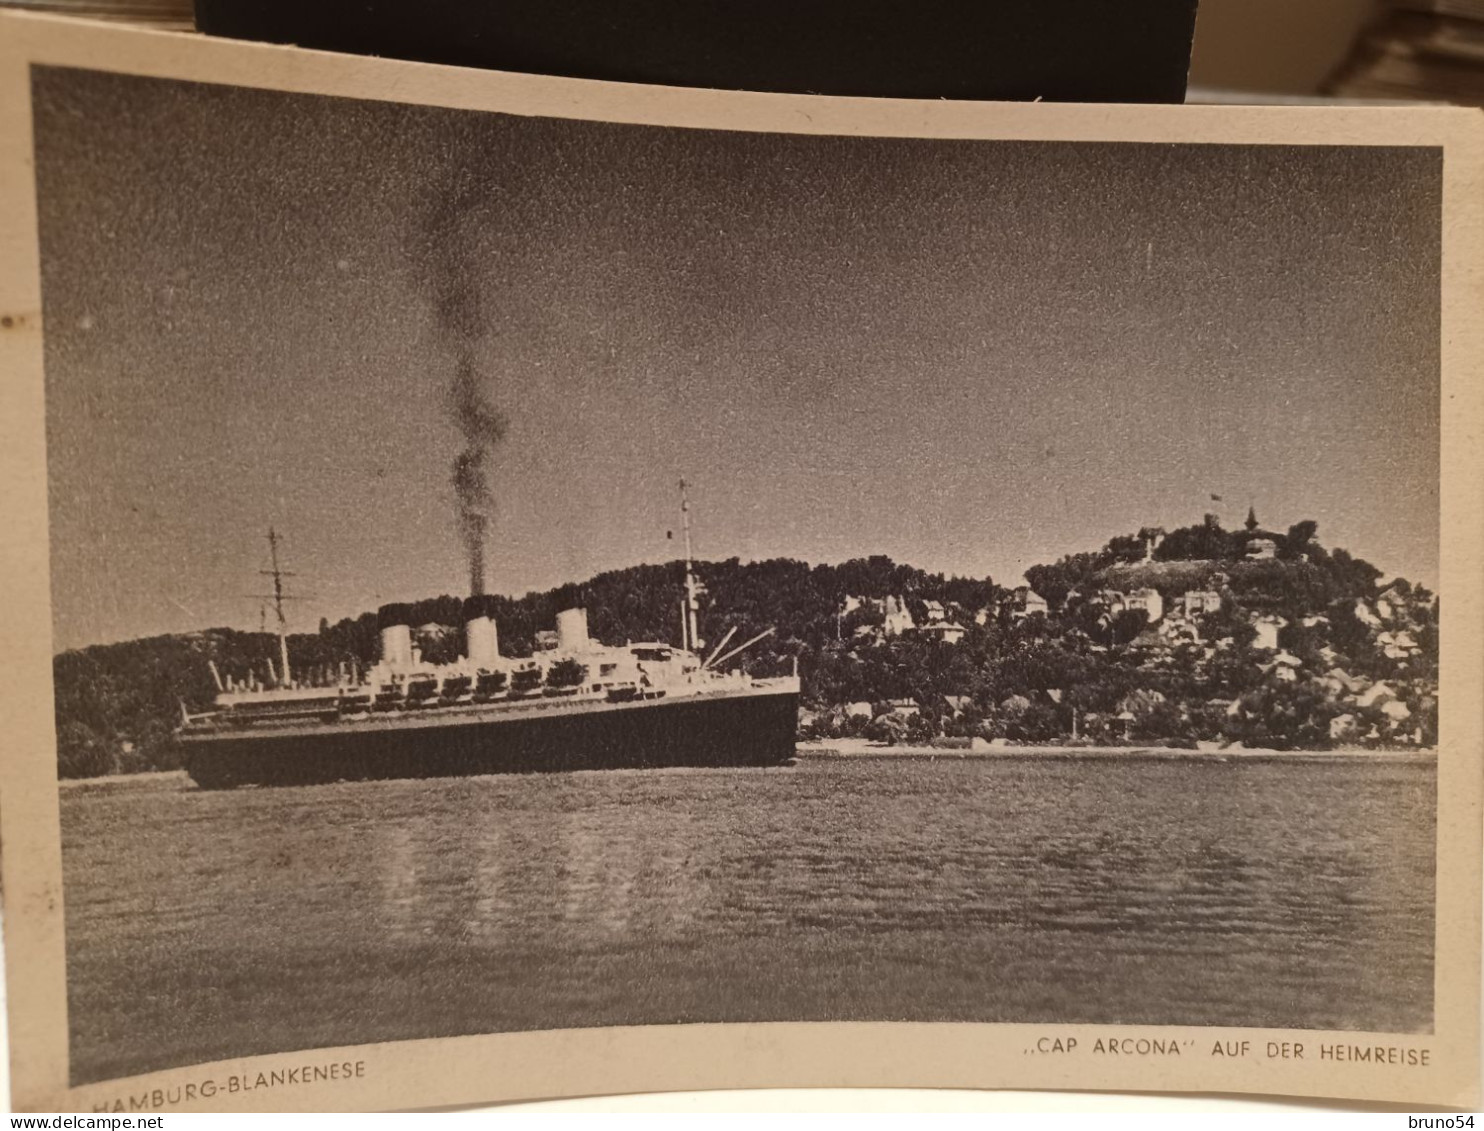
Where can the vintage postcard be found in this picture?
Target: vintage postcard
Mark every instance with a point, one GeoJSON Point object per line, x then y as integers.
{"type": "Point", "coordinates": [522, 587]}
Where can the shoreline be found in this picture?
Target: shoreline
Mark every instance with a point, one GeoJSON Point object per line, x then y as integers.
{"type": "Point", "coordinates": [843, 749]}
{"type": "Point", "coordinates": [846, 748]}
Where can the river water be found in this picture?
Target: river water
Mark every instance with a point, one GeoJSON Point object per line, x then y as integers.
{"type": "Point", "coordinates": [1284, 893]}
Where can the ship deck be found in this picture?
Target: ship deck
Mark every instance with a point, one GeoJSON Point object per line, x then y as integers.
{"type": "Point", "coordinates": [477, 714]}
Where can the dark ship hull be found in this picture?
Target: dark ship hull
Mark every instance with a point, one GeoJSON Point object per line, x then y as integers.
{"type": "Point", "coordinates": [757, 727]}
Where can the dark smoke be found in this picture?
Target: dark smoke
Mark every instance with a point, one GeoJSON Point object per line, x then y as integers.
{"type": "Point", "coordinates": [481, 428]}
{"type": "Point", "coordinates": [451, 265]}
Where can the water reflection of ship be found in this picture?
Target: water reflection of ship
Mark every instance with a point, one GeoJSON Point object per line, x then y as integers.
{"type": "Point", "coordinates": [574, 704]}
{"type": "Point", "coordinates": [526, 878]}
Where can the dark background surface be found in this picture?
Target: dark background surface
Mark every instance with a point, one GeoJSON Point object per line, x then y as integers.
{"type": "Point", "coordinates": [1056, 50]}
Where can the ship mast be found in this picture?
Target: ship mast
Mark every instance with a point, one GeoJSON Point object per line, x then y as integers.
{"type": "Point", "coordinates": [689, 641]}
{"type": "Point", "coordinates": [278, 575]}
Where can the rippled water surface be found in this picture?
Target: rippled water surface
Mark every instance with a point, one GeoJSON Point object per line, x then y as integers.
{"type": "Point", "coordinates": [1154, 891]}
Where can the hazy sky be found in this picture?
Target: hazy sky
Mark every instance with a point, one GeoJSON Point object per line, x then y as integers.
{"type": "Point", "coordinates": [971, 356]}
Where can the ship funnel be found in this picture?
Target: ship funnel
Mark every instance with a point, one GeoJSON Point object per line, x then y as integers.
{"type": "Point", "coordinates": [396, 636]}
{"type": "Point", "coordinates": [481, 639]}
{"type": "Point", "coordinates": [482, 642]}
{"type": "Point", "coordinates": [571, 627]}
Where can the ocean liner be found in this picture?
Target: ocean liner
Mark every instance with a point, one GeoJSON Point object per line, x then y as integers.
{"type": "Point", "coordinates": [574, 704]}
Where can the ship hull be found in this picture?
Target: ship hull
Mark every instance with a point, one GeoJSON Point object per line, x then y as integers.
{"type": "Point", "coordinates": [732, 730]}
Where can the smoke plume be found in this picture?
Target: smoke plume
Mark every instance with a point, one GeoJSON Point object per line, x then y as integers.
{"type": "Point", "coordinates": [481, 427]}
{"type": "Point", "coordinates": [452, 270]}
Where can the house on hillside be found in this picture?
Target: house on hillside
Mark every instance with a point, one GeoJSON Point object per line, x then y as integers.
{"type": "Point", "coordinates": [1398, 645]}
{"type": "Point", "coordinates": [1179, 629]}
{"type": "Point", "coordinates": [1337, 681]}
{"type": "Point", "coordinates": [1283, 667]}
{"type": "Point", "coordinates": [898, 619]}
{"type": "Point", "coordinates": [945, 632]}
{"type": "Point", "coordinates": [937, 626]}
{"type": "Point", "coordinates": [1396, 711]}
{"type": "Point", "coordinates": [1392, 604]}
{"type": "Point", "coordinates": [1258, 544]}
{"type": "Point", "coordinates": [1199, 602]}
{"type": "Point", "coordinates": [1025, 602]}
{"type": "Point", "coordinates": [1267, 629]}
{"type": "Point", "coordinates": [1261, 549]}
{"type": "Point", "coordinates": [1147, 601]}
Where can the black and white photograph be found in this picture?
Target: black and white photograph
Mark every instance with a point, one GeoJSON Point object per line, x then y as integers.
{"type": "Point", "coordinates": [513, 573]}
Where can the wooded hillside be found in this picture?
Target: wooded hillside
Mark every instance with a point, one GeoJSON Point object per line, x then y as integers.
{"type": "Point", "coordinates": [1083, 665]}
